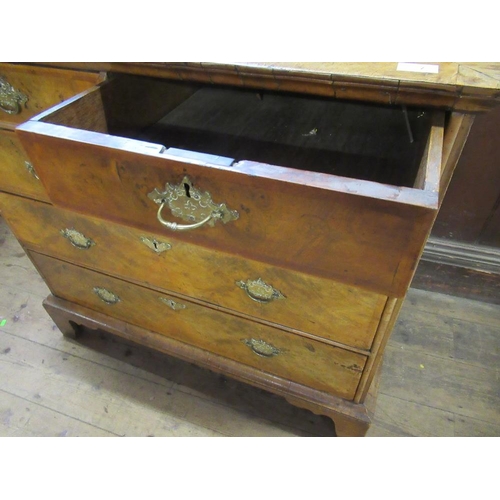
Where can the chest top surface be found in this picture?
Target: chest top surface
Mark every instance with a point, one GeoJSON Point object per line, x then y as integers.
{"type": "Point", "coordinates": [457, 86]}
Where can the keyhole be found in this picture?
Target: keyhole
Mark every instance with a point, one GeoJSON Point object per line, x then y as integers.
{"type": "Point", "coordinates": [186, 187]}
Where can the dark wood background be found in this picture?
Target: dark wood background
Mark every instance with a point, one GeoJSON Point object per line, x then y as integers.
{"type": "Point", "coordinates": [471, 208]}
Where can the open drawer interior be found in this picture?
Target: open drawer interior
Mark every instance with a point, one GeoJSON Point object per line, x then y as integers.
{"type": "Point", "coordinates": [224, 125]}
{"type": "Point", "coordinates": [339, 190]}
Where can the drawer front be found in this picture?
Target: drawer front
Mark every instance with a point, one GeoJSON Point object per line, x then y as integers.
{"type": "Point", "coordinates": [318, 306]}
{"type": "Point", "coordinates": [304, 361]}
{"type": "Point", "coordinates": [17, 174]}
{"type": "Point", "coordinates": [28, 90]}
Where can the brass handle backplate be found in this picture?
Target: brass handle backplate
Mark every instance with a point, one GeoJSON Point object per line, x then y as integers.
{"type": "Point", "coordinates": [106, 296]}
{"type": "Point", "coordinates": [191, 205]}
{"type": "Point", "coordinates": [77, 239]}
{"type": "Point", "coordinates": [176, 306]}
{"type": "Point", "coordinates": [11, 100]}
{"type": "Point", "coordinates": [262, 348]}
{"type": "Point", "coordinates": [260, 291]}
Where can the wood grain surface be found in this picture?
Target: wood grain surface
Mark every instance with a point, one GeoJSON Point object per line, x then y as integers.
{"type": "Point", "coordinates": [104, 386]}
{"type": "Point", "coordinates": [316, 306]}
{"type": "Point", "coordinates": [462, 86]}
{"type": "Point", "coordinates": [108, 167]}
{"type": "Point", "coordinates": [305, 361]}
{"type": "Point", "coordinates": [44, 88]}
{"type": "Point", "coordinates": [14, 176]}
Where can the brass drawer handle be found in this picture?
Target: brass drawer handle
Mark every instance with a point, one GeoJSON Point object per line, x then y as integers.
{"type": "Point", "coordinates": [106, 296]}
{"type": "Point", "coordinates": [77, 239]}
{"type": "Point", "coordinates": [31, 169]}
{"type": "Point", "coordinates": [155, 245]}
{"type": "Point", "coordinates": [176, 306]}
{"type": "Point", "coordinates": [11, 100]}
{"type": "Point", "coordinates": [190, 205]}
{"type": "Point", "coordinates": [180, 227]}
{"type": "Point", "coordinates": [260, 291]}
{"type": "Point", "coordinates": [262, 348]}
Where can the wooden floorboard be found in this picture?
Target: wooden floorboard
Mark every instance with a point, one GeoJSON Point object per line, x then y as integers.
{"type": "Point", "coordinates": [440, 376]}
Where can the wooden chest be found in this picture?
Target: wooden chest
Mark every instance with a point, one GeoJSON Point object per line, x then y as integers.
{"type": "Point", "coordinates": [265, 226]}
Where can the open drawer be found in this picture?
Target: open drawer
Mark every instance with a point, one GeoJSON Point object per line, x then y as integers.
{"type": "Point", "coordinates": [342, 190]}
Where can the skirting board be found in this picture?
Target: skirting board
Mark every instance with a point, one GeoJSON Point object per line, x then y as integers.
{"type": "Point", "coordinates": [461, 269]}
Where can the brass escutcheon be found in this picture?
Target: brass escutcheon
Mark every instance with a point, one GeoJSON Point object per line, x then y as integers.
{"type": "Point", "coordinates": [260, 291]}
{"type": "Point", "coordinates": [191, 205]}
{"type": "Point", "coordinates": [11, 100]}
{"type": "Point", "coordinates": [106, 296]}
{"type": "Point", "coordinates": [31, 169]}
{"type": "Point", "coordinates": [155, 245]}
{"type": "Point", "coordinates": [176, 306]}
{"type": "Point", "coordinates": [77, 239]}
{"type": "Point", "coordinates": [262, 348]}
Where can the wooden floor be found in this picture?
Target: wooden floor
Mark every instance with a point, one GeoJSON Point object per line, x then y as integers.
{"type": "Point", "coordinates": [440, 376]}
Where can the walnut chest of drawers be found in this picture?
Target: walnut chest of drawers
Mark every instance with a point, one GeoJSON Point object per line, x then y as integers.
{"type": "Point", "coordinates": [262, 221]}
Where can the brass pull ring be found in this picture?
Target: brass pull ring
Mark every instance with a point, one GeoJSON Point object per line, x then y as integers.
{"type": "Point", "coordinates": [191, 205]}
{"type": "Point", "coordinates": [174, 226]}
{"type": "Point", "coordinates": [11, 100]}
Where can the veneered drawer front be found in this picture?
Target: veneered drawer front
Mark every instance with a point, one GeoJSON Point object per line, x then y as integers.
{"type": "Point", "coordinates": [17, 175]}
{"type": "Point", "coordinates": [313, 305]}
{"type": "Point", "coordinates": [301, 360]}
{"type": "Point", "coordinates": [28, 90]}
